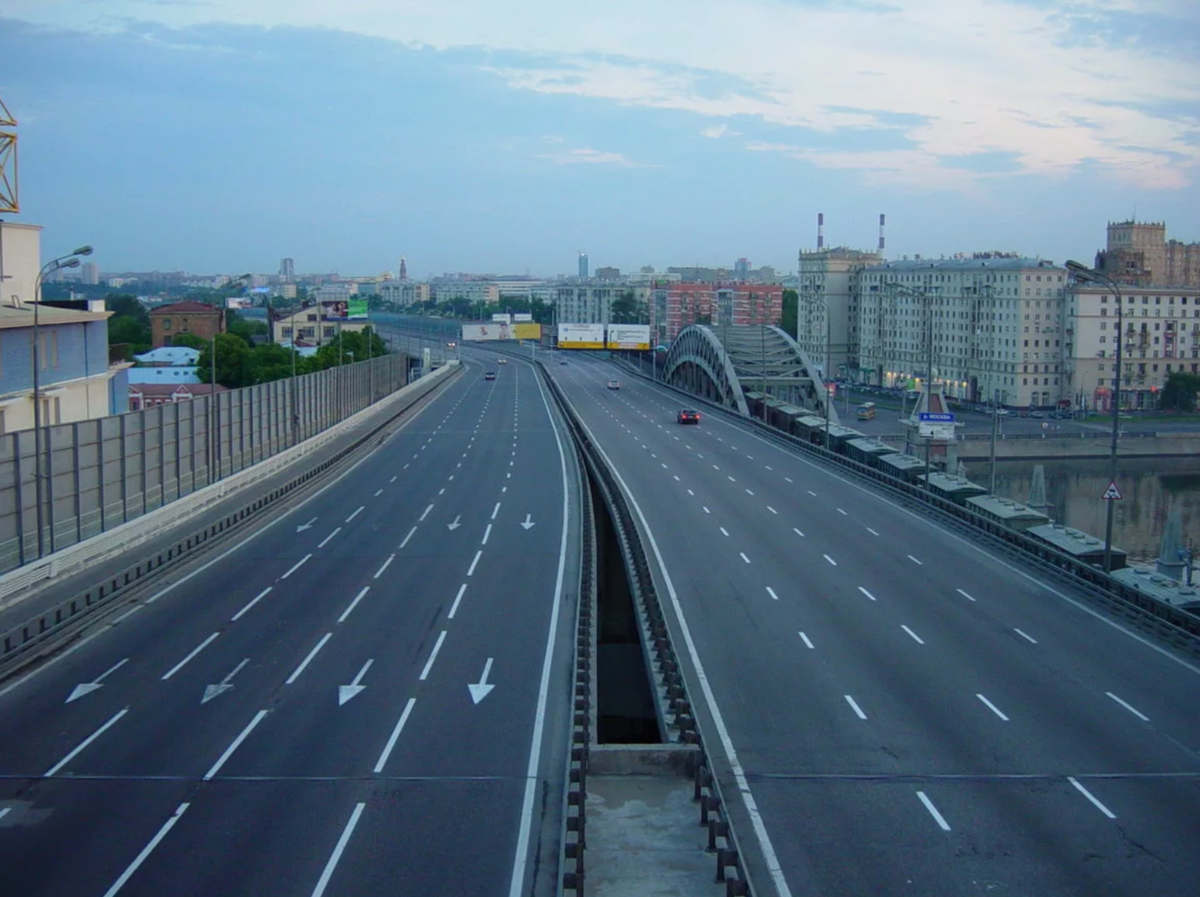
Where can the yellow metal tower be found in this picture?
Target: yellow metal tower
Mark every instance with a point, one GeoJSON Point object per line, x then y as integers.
{"type": "Point", "coordinates": [9, 200]}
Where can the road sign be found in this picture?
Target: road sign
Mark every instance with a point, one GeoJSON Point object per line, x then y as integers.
{"type": "Point", "coordinates": [1112, 493]}
{"type": "Point", "coordinates": [937, 417]}
{"type": "Point", "coordinates": [935, 430]}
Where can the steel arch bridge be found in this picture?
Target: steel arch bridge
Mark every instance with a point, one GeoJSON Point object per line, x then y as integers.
{"type": "Point", "coordinates": [722, 363]}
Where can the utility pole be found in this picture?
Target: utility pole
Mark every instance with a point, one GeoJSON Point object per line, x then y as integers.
{"type": "Point", "coordinates": [992, 475]}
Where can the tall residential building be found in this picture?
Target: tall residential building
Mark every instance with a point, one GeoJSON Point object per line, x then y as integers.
{"type": "Point", "coordinates": [287, 270]}
{"type": "Point", "coordinates": [583, 266]}
{"type": "Point", "coordinates": [403, 268]}
{"type": "Point", "coordinates": [607, 272]}
{"type": "Point", "coordinates": [999, 323]}
{"type": "Point", "coordinates": [404, 292]}
{"type": "Point", "coordinates": [592, 304]}
{"type": "Point", "coordinates": [680, 304]}
{"type": "Point", "coordinates": [1161, 336]}
{"type": "Point", "coordinates": [741, 269]}
{"type": "Point", "coordinates": [827, 315]}
{"type": "Point", "coordinates": [1139, 254]}
{"type": "Point", "coordinates": [89, 273]}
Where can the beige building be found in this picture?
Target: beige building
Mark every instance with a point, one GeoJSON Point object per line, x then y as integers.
{"type": "Point", "coordinates": [829, 287]}
{"type": "Point", "coordinates": [1161, 336]}
{"type": "Point", "coordinates": [1139, 254]}
{"type": "Point", "coordinates": [999, 322]}
{"type": "Point", "coordinates": [20, 261]}
{"type": "Point", "coordinates": [311, 326]}
{"type": "Point", "coordinates": [404, 292]}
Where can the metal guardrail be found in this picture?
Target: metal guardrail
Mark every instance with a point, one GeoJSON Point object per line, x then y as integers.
{"type": "Point", "coordinates": [22, 643]}
{"type": "Point", "coordinates": [1170, 624]}
{"type": "Point", "coordinates": [679, 715]}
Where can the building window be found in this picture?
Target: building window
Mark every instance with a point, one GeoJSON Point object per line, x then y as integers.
{"type": "Point", "coordinates": [166, 323]}
{"type": "Point", "coordinates": [184, 325]}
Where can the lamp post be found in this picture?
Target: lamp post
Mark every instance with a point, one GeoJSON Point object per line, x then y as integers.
{"type": "Point", "coordinates": [925, 298]}
{"type": "Point", "coordinates": [1089, 275]}
{"type": "Point", "coordinates": [64, 261]}
{"type": "Point", "coordinates": [811, 300]}
{"type": "Point", "coordinates": [214, 442]}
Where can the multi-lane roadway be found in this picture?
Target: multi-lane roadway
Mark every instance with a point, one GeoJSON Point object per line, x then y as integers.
{"type": "Point", "coordinates": [360, 698]}
{"type": "Point", "coordinates": [893, 709]}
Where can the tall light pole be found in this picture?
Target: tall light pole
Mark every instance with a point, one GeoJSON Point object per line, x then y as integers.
{"type": "Point", "coordinates": [214, 442]}
{"type": "Point", "coordinates": [810, 300]}
{"type": "Point", "coordinates": [1089, 275]}
{"type": "Point", "coordinates": [63, 261]}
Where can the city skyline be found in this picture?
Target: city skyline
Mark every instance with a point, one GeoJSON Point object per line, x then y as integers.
{"type": "Point", "coordinates": [226, 136]}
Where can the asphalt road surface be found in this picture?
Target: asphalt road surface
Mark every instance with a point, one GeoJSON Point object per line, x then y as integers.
{"type": "Point", "coordinates": [901, 711]}
{"type": "Point", "coordinates": [361, 698]}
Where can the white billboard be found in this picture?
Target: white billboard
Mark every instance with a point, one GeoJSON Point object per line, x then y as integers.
{"type": "Point", "coordinates": [502, 318]}
{"type": "Point", "coordinates": [485, 332]}
{"type": "Point", "coordinates": [629, 336]}
{"type": "Point", "coordinates": [525, 318]}
{"type": "Point", "coordinates": [238, 302]}
{"type": "Point", "coordinates": [581, 336]}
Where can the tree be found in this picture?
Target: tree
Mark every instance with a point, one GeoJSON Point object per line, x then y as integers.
{"type": "Point", "coordinates": [1179, 392]}
{"type": "Point", "coordinates": [268, 362]}
{"type": "Point", "coordinates": [122, 305]}
{"type": "Point", "coordinates": [232, 357]}
{"type": "Point", "coordinates": [126, 331]}
{"type": "Point", "coordinates": [789, 320]}
{"type": "Point", "coordinates": [189, 340]}
{"type": "Point", "coordinates": [626, 309]}
{"type": "Point", "coordinates": [240, 327]}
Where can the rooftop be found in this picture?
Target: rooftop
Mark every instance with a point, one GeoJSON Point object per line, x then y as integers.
{"type": "Point", "coordinates": [988, 261]}
{"type": "Point", "coordinates": [185, 306]}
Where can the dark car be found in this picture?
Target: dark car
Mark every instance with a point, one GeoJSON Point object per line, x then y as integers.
{"type": "Point", "coordinates": [688, 416]}
{"type": "Point", "coordinates": [490, 375]}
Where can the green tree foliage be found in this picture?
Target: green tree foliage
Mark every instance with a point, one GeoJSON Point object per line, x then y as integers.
{"type": "Point", "coordinates": [232, 357]}
{"type": "Point", "coordinates": [789, 319]}
{"type": "Point", "coordinates": [270, 362]}
{"type": "Point", "coordinates": [122, 305]}
{"type": "Point", "coordinates": [1179, 392]}
{"type": "Point", "coordinates": [126, 331]}
{"type": "Point", "coordinates": [626, 309]}
{"type": "Point", "coordinates": [189, 340]}
{"type": "Point", "coordinates": [247, 330]}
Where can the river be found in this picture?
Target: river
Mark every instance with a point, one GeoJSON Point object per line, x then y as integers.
{"type": "Point", "coordinates": [1150, 488]}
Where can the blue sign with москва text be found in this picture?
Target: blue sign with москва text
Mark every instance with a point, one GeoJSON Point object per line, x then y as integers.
{"type": "Point", "coordinates": [935, 417]}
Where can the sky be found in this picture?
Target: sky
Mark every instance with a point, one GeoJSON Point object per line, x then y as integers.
{"type": "Point", "coordinates": [492, 136]}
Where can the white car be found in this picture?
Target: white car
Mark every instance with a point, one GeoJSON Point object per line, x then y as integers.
{"type": "Point", "coordinates": [613, 384]}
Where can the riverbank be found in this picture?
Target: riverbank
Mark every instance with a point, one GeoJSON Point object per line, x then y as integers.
{"type": "Point", "coordinates": [1167, 445]}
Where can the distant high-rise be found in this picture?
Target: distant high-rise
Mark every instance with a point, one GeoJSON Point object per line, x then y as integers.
{"type": "Point", "coordinates": [89, 273]}
{"type": "Point", "coordinates": [741, 269]}
{"type": "Point", "coordinates": [583, 266]}
{"type": "Point", "coordinates": [287, 270]}
{"type": "Point", "coordinates": [403, 268]}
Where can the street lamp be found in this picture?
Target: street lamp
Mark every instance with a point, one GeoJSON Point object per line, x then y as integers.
{"type": "Point", "coordinates": [1089, 275]}
{"type": "Point", "coordinates": [214, 442]}
{"type": "Point", "coordinates": [810, 300]}
{"type": "Point", "coordinates": [70, 260]}
{"type": "Point", "coordinates": [926, 299]}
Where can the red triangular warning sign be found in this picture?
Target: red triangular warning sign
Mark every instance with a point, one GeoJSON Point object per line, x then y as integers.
{"type": "Point", "coordinates": [1112, 493]}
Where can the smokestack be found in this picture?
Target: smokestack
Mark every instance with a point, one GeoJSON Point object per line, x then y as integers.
{"type": "Point", "coordinates": [882, 221]}
{"type": "Point", "coordinates": [820, 230]}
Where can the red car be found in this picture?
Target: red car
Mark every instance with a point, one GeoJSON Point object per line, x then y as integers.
{"type": "Point", "coordinates": [688, 416]}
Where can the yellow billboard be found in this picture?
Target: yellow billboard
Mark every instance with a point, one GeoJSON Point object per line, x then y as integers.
{"type": "Point", "coordinates": [527, 331]}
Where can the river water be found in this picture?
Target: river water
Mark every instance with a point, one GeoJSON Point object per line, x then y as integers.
{"type": "Point", "coordinates": [1149, 487]}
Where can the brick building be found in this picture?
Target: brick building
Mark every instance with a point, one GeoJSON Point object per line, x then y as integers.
{"type": "Point", "coordinates": [196, 318]}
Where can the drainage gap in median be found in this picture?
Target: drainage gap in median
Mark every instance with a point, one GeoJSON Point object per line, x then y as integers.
{"type": "Point", "coordinates": [626, 711]}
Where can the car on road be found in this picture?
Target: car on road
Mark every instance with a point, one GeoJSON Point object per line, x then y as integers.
{"type": "Point", "coordinates": [613, 384]}
{"type": "Point", "coordinates": [688, 416]}
{"type": "Point", "coordinates": [490, 375]}
{"type": "Point", "coordinates": [562, 362]}
{"type": "Point", "coordinates": [502, 361]}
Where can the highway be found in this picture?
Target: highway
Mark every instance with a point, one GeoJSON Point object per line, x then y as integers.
{"type": "Point", "coordinates": [892, 709]}
{"type": "Point", "coordinates": [359, 698]}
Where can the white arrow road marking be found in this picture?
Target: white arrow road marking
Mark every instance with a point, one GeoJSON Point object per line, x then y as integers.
{"type": "Point", "coordinates": [456, 524]}
{"type": "Point", "coordinates": [528, 523]}
{"type": "Point", "coordinates": [302, 527]}
{"type": "Point", "coordinates": [346, 692]}
{"type": "Point", "coordinates": [88, 687]}
{"type": "Point", "coordinates": [480, 690]}
{"type": "Point", "coordinates": [211, 691]}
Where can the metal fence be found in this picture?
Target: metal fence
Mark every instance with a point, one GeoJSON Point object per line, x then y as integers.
{"type": "Point", "coordinates": [97, 474]}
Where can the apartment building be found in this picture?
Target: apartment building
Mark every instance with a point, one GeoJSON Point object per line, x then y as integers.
{"type": "Point", "coordinates": [404, 292]}
{"type": "Point", "coordinates": [989, 327]}
{"type": "Point", "coordinates": [827, 313]}
{"type": "Point", "coordinates": [1161, 336]}
{"type": "Point", "coordinates": [1138, 253]}
{"type": "Point", "coordinates": [591, 303]}
{"type": "Point", "coordinates": [312, 326]}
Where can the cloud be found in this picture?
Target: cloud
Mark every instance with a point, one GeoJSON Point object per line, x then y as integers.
{"type": "Point", "coordinates": [716, 132]}
{"type": "Point", "coordinates": [585, 156]}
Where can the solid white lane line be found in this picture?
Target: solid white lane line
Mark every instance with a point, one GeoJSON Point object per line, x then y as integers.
{"type": "Point", "coordinates": [83, 744]}
{"type": "Point", "coordinates": [872, 532]}
{"type": "Point", "coordinates": [356, 513]}
{"type": "Point", "coordinates": [409, 536]}
{"type": "Point", "coordinates": [311, 654]}
{"type": "Point", "coordinates": [433, 656]}
{"type": "Point", "coordinates": [805, 639]}
{"type": "Point", "coordinates": [797, 532]}
{"type": "Point", "coordinates": [325, 541]}
{"type": "Point", "coordinates": [1027, 637]}
{"type": "Point", "coordinates": [992, 707]}
{"type": "Point", "coordinates": [964, 594]}
{"type": "Point", "coordinates": [771, 592]}
{"type": "Point", "coordinates": [457, 599]}
{"type": "Point", "coordinates": [204, 644]}
{"type": "Point", "coordinates": [831, 560]}
{"type": "Point", "coordinates": [386, 564]}
{"type": "Point", "coordinates": [300, 563]}
{"type": "Point", "coordinates": [236, 743]}
{"type": "Point", "coordinates": [487, 532]}
{"type": "Point", "coordinates": [354, 603]}
{"type": "Point", "coordinates": [854, 706]}
{"type": "Point", "coordinates": [327, 874]}
{"type": "Point", "coordinates": [915, 561]}
{"type": "Point", "coordinates": [744, 558]}
{"type": "Point", "coordinates": [471, 570]}
{"type": "Point", "coordinates": [772, 510]}
{"type": "Point", "coordinates": [1130, 708]}
{"type": "Point", "coordinates": [421, 519]}
{"type": "Point", "coordinates": [868, 594]}
{"type": "Point", "coordinates": [495, 510]}
{"type": "Point", "coordinates": [253, 602]}
{"type": "Point", "coordinates": [5, 812]}
{"type": "Point", "coordinates": [724, 532]}
{"type": "Point", "coordinates": [146, 851]}
{"type": "Point", "coordinates": [933, 811]}
{"type": "Point", "coordinates": [1099, 806]}
{"type": "Point", "coordinates": [916, 638]}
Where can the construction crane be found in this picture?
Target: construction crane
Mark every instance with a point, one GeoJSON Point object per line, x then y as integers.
{"type": "Point", "coordinates": [9, 199]}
